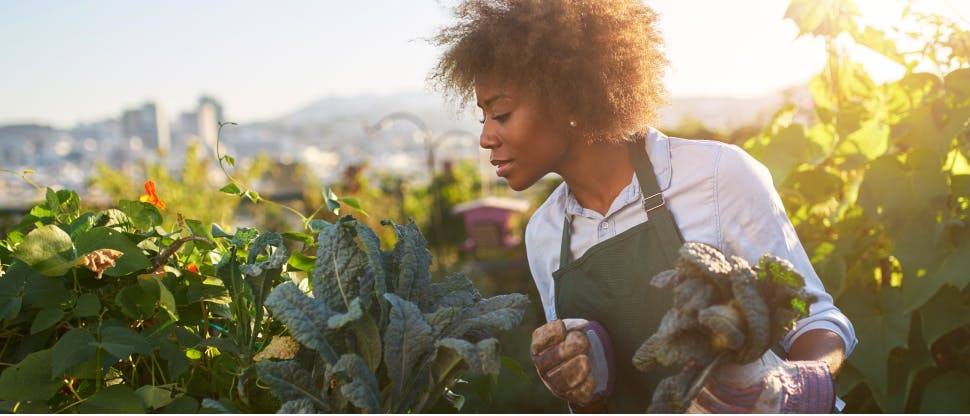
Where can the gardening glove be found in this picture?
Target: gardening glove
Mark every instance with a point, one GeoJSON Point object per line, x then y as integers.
{"type": "Point", "coordinates": [574, 358]}
{"type": "Point", "coordinates": [767, 385]}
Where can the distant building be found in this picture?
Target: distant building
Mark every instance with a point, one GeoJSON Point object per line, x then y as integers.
{"type": "Point", "coordinates": [147, 123]}
{"type": "Point", "coordinates": [23, 145]}
{"type": "Point", "coordinates": [216, 106]}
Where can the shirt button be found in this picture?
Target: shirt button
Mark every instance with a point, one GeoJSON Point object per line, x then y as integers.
{"type": "Point", "coordinates": [606, 225]}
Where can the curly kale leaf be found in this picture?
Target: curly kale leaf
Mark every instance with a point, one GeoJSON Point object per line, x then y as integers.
{"type": "Point", "coordinates": [306, 317]}
{"type": "Point", "coordinates": [407, 340]}
{"type": "Point", "coordinates": [365, 332]}
{"type": "Point", "coordinates": [297, 407]}
{"type": "Point", "coordinates": [500, 312]}
{"type": "Point", "coordinates": [480, 358]}
{"type": "Point", "coordinates": [290, 382]}
{"type": "Point", "coordinates": [410, 263]}
{"type": "Point", "coordinates": [455, 291]}
{"type": "Point", "coordinates": [339, 265]}
{"type": "Point", "coordinates": [362, 389]}
{"type": "Point", "coordinates": [373, 284]}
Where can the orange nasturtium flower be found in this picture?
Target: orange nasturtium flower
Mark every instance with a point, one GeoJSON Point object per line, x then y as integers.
{"type": "Point", "coordinates": [151, 197]}
{"type": "Point", "coordinates": [192, 268]}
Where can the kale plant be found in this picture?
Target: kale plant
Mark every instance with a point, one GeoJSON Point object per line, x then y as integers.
{"type": "Point", "coordinates": [376, 334]}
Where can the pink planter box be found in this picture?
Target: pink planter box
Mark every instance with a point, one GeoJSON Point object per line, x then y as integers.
{"type": "Point", "coordinates": [487, 222]}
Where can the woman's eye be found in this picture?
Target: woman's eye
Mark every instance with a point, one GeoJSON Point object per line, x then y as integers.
{"type": "Point", "coordinates": [501, 117]}
{"type": "Point", "coordinates": [482, 118]}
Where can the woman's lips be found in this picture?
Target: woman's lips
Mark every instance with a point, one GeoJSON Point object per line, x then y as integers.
{"type": "Point", "coordinates": [502, 166]}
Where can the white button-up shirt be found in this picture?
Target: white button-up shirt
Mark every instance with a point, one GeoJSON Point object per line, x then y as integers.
{"type": "Point", "coordinates": [718, 195]}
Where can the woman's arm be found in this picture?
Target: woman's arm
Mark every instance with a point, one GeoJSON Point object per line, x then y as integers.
{"type": "Point", "coordinates": [819, 345]}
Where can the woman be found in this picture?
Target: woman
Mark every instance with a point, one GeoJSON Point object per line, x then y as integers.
{"type": "Point", "coordinates": [571, 87]}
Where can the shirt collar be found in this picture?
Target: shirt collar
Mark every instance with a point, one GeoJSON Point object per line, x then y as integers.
{"type": "Point", "coordinates": [658, 149]}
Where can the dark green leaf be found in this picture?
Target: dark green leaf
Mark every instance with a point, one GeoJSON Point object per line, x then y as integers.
{"type": "Point", "coordinates": [816, 184]}
{"type": "Point", "coordinates": [481, 358]}
{"type": "Point", "coordinates": [156, 397]}
{"type": "Point", "coordinates": [101, 237]}
{"type": "Point", "coordinates": [88, 305]}
{"type": "Point", "coordinates": [945, 312]}
{"type": "Point", "coordinates": [12, 286]}
{"type": "Point", "coordinates": [301, 237]}
{"type": "Point", "coordinates": [135, 302]}
{"type": "Point", "coordinates": [363, 390]}
{"type": "Point", "coordinates": [243, 236]}
{"type": "Point", "coordinates": [122, 342]}
{"type": "Point", "coordinates": [354, 313]}
{"type": "Point", "coordinates": [115, 399]}
{"type": "Point", "coordinates": [30, 379]}
{"type": "Point", "coordinates": [114, 218]}
{"type": "Point", "coordinates": [287, 379]}
{"type": "Point", "coordinates": [339, 264]}
{"type": "Point", "coordinates": [500, 312]}
{"type": "Point", "coordinates": [45, 319]}
{"type": "Point", "coordinates": [298, 406]}
{"type": "Point", "coordinates": [45, 292]}
{"type": "Point", "coordinates": [514, 366]}
{"type": "Point", "coordinates": [407, 340]}
{"type": "Point", "coordinates": [143, 216]}
{"type": "Point", "coordinates": [879, 319]}
{"type": "Point", "coordinates": [455, 291]}
{"type": "Point", "coordinates": [894, 192]}
{"type": "Point", "coordinates": [370, 244]}
{"type": "Point", "coordinates": [75, 347]}
{"type": "Point", "coordinates": [947, 394]}
{"type": "Point", "coordinates": [199, 230]}
{"type": "Point", "coordinates": [48, 250]}
{"type": "Point", "coordinates": [231, 161]}
{"type": "Point", "coordinates": [175, 359]}
{"type": "Point", "coordinates": [442, 317]}
{"type": "Point", "coordinates": [305, 317]}
{"type": "Point", "coordinates": [218, 232]}
{"type": "Point", "coordinates": [81, 225]}
{"type": "Point", "coordinates": [411, 263]}
{"type": "Point", "coordinates": [53, 202]}
{"type": "Point", "coordinates": [317, 226]}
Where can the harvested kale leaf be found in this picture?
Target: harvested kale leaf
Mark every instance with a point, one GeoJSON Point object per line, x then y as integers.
{"type": "Point", "coordinates": [723, 309]}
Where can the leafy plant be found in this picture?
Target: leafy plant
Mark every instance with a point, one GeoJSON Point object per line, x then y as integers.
{"type": "Point", "coordinates": [379, 335]}
{"type": "Point", "coordinates": [108, 310]}
{"type": "Point", "coordinates": [877, 184]}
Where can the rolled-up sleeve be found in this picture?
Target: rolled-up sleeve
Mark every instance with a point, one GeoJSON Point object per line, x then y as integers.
{"type": "Point", "coordinates": [752, 221]}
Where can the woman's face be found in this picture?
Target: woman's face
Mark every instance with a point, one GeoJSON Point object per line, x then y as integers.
{"type": "Point", "coordinates": [525, 145]}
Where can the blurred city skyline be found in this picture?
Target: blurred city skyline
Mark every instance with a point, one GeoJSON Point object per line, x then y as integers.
{"type": "Point", "coordinates": [80, 62]}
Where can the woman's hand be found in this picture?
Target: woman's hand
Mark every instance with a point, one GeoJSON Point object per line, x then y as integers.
{"type": "Point", "coordinates": [767, 385]}
{"type": "Point", "coordinates": [574, 360]}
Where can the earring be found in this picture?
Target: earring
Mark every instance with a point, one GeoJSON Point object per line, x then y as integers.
{"type": "Point", "coordinates": [572, 123]}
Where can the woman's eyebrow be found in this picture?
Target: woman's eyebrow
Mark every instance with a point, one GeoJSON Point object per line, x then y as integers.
{"type": "Point", "coordinates": [488, 102]}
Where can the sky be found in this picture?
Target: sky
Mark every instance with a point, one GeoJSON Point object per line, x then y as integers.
{"type": "Point", "coordinates": [63, 62]}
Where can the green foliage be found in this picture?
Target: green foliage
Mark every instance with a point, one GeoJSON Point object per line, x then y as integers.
{"type": "Point", "coordinates": [876, 187]}
{"type": "Point", "coordinates": [175, 320]}
{"type": "Point", "coordinates": [362, 297]}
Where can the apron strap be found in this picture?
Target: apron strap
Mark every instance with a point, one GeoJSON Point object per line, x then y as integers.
{"type": "Point", "coordinates": [649, 187]}
{"type": "Point", "coordinates": [652, 197]}
{"type": "Point", "coordinates": [564, 246]}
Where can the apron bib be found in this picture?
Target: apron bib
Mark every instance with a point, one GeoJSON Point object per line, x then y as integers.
{"type": "Point", "coordinates": [610, 284]}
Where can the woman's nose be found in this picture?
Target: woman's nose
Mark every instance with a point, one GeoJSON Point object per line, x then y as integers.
{"type": "Point", "coordinates": [487, 140]}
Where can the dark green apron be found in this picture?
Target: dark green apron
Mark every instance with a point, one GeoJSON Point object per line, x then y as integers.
{"type": "Point", "coordinates": [610, 284]}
